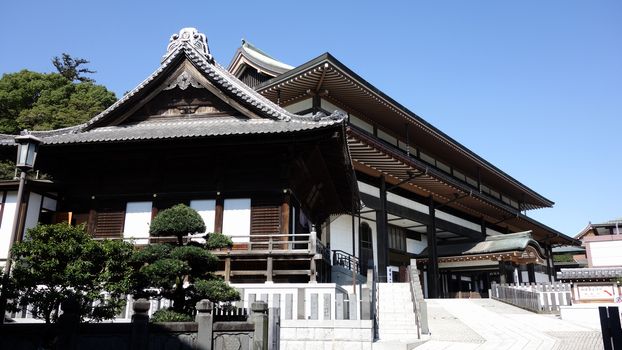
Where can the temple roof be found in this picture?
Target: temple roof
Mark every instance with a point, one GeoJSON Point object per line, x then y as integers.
{"type": "Point", "coordinates": [180, 128]}
{"type": "Point", "coordinates": [250, 55]}
{"type": "Point", "coordinates": [604, 228]}
{"type": "Point", "coordinates": [342, 86]}
{"type": "Point", "coordinates": [191, 46]}
{"type": "Point", "coordinates": [492, 244]}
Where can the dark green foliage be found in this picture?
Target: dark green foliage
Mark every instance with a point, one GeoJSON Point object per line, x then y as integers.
{"type": "Point", "coordinates": [563, 258]}
{"type": "Point", "coordinates": [61, 262]}
{"type": "Point", "coordinates": [7, 170]}
{"type": "Point", "coordinates": [218, 240]}
{"type": "Point", "coordinates": [215, 289]}
{"type": "Point", "coordinates": [179, 221]}
{"type": "Point", "coordinates": [179, 272]}
{"type": "Point", "coordinates": [69, 68]}
{"type": "Point", "coordinates": [43, 101]}
{"type": "Point", "coordinates": [165, 315]}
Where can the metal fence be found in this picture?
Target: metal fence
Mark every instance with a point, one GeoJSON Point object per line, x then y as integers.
{"type": "Point", "coordinates": [536, 297]}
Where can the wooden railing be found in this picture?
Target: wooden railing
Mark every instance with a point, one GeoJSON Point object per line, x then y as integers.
{"type": "Point", "coordinates": [540, 297]}
{"type": "Point", "coordinates": [270, 243]}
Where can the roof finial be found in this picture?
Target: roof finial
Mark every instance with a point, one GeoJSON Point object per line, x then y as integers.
{"type": "Point", "coordinates": [191, 37]}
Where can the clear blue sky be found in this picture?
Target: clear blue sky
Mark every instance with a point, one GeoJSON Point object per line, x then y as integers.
{"type": "Point", "coordinates": [535, 87]}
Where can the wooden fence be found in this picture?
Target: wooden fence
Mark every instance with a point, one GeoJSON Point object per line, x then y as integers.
{"type": "Point", "coordinates": [536, 297]}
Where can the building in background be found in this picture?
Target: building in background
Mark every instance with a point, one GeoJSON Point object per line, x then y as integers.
{"type": "Point", "coordinates": [424, 195]}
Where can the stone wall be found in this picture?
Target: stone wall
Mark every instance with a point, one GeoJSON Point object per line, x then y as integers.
{"type": "Point", "coordinates": [326, 334]}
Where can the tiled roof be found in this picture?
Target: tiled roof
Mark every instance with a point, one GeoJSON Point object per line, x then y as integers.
{"type": "Point", "coordinates": [193, 46]}
{"type": "Point", "coordinates": [182, 128]}
{"type": "Point", "coordinates": [492, 244]}
{"type": "Point", "coordinates": [590, 273]}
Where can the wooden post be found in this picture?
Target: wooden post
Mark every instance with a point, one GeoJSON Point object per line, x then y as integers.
{"type": "Point", "coordinates": [269, 269]}
{"type": "Point", "coordinates": [285, 213]}
{"type": "Point", "coordinates": [205, 322]}
{"type": "Point", "coordinates": [382, 233]}
{"type": "Point", "coordinates": [227, 269]}
{"type": "Point", "coordinates": [219, 214]}
{"type": "Point", "coordinates": [433, 272]}
{"type": "Point", "coordinates": [313, 251]}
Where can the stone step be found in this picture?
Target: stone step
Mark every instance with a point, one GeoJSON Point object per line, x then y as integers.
{"type": "Point", "coordinates": [397, 344]}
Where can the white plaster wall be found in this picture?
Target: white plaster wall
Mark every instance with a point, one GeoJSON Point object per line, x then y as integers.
{"type": "Point", "coordinates": [408, 203]}
{"type": "Point", "coordinates": [459, 221]}
{"type": "Point", "coordinates": [369, 189]}
{"type": "Point", "coordinates": [137, 221]}
{"type": "Point", "coordinates": [329, 107]}
{"type": "Point", "coordinates": [32, 213]}
{"type": "Point", "coordinates": [6, 226]}
{"type": "Point", "coordinates": [300, 106]}
{"type": "Point", "coordinates": [207, 211]}
{"type": "Point", "coordinates": [341, 234]}
{"type": "Point", "coordinates": [423, 208]}
{"type": "Point", "coordinates": [236, 221]}
{"type": "Point", "coordinates": [608, 253]}
{"type": "Point", "coordinates": [541, 277]}
{"type": "Point", "coordinates": [416, 247]}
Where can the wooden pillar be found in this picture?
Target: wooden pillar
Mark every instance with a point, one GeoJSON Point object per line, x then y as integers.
{"type": "Point", "coordinates": [92, 221]}
{"type": "Point", "coordinates": [269, 269]}
{"type": "Point", "coordinates": [382, 233]}
{"type": "Point", "coordinates": [531, 272]}
{"type": "Point", "coordinates": [218, 214]}
{"type": "Point", "coordinates": [502, 273]}
{"type": "Point", "coordinates": [483, 228]}
{"type": "Point", "coordinates": [285, 214]}
{"type": "Point", "coordinates": [433, 272]}
{"type": "Point", "coordinates": [550, 265]}
{"type": "Point", "coordinates": [227, 269]}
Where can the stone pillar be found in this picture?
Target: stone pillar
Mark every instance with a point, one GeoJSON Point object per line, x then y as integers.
{"type": "Point", "coordinates": [68, 325]}
{"type": "Point", "coordinates": [259, 317]}
{"type": "Point", "coordinates": [140, 325]}
{"type": "Point", "coordinates": [205, 322]}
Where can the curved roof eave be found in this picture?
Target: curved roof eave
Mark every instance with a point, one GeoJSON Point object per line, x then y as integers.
{"type": "Point", "coordinates": [328, 58]}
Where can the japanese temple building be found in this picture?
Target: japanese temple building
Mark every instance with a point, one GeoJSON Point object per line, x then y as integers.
{"type": "Point", "coordinates": [315, 173]}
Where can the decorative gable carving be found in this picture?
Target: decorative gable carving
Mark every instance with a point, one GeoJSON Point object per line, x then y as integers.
{"type": "Point", "coordinates": [183, 81]}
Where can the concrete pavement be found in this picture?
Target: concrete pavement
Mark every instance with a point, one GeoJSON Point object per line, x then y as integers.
{"type": "Point", "coordinates": [488, 324]}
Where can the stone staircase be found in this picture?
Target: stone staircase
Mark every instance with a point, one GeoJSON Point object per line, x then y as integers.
{"type": "Point", "coordinates": [397, 327]}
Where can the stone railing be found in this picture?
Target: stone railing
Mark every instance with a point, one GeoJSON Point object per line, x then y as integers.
{"type": "Point", "coordinates": [540, 297]}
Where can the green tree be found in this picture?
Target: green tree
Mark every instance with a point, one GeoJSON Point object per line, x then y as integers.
{"type": "Point", "coordinates": [178, 272]}
{"type": "Point", "coordinates": [179, 221]}
{"type": "Point", "coordinates": [69, 67]}
{"type": "Point", "coordinates": [44, 101]}
{"type": "Point", "coordinates": [61, 262]}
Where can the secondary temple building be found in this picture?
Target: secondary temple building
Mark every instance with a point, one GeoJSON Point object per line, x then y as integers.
{"type": "Point", "coordinates": [315, 173]}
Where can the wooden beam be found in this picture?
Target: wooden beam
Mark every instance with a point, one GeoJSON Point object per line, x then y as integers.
{"type": "Point", "coordinates": [218, 214]}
